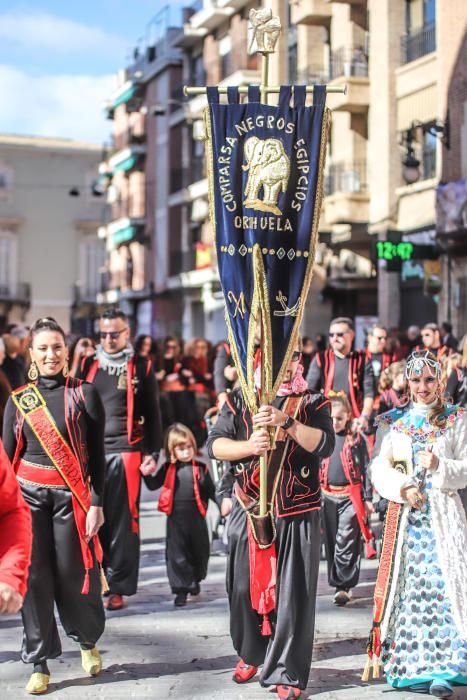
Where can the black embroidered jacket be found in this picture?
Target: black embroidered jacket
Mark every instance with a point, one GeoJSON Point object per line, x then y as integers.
{"type": "Point", "coordinates": [298, 489]}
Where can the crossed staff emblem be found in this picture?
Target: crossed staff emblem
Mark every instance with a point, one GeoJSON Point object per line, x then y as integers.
{"type": "Point", "coordinates": [239, 303]}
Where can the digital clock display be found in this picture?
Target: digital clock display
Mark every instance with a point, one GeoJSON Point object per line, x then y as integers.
{"type": "Point", "coordinates": [386, 250]}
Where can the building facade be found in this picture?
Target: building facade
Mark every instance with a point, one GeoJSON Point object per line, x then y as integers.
{"type": "Point", "coordinates": [141, 170]}
{"type": "Point", "coordinates": [403, 62]}
{"type": "Point", "coordinates": [397, 133]}
{"type": "Point", "coordinates": [50, 255]}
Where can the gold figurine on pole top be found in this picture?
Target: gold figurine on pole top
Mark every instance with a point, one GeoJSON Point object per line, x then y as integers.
{"type": "Point", "coordinates": [264, 29]}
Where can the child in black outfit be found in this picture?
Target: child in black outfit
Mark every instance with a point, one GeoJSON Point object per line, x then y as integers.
{"type": "Point", "coordinates": [347, 495]}
{"type": "Point", "coordinates": [186, 489]}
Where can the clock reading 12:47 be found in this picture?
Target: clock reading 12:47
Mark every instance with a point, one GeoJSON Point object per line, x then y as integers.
{"type": "Point", "coordinates": [386, 250]}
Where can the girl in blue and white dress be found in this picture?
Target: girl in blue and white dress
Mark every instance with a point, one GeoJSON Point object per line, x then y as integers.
{"type": "Point", "coordinates": [420, 462]}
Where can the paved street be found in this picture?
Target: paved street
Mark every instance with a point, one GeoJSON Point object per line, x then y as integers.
{"type": "Point", "coordinates": [152, 650]}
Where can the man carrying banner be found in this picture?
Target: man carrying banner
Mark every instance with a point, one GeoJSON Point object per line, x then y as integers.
{"type": "Point", "coordinates": [133, 435]}
{"type": "Point", "coordinates": [303, 434]}
{"type": "Point", "coordinates": [265, 168]}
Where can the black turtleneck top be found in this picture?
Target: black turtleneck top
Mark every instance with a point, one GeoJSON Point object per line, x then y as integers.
{"type": "Point", "coordinates": [53, 390]}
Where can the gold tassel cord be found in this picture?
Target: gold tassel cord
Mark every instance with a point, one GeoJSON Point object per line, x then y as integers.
{"type": "Point", "coordinates": [104, 584]}
{"type": "Point", "coordinates": [366, 670]}
{"type": "Point", "coordinates": [375, 667]}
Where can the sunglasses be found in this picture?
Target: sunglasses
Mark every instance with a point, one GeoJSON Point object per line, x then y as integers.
{"type": "Point", "coordinates": [295, 356]}
{"type": "Point", "coordinates": [114, 335]}
{"type": "Point", "coordinates": [338, 335]}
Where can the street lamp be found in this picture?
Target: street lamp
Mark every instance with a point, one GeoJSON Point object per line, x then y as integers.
{"type": "Point", "coordinates": [411, 164]}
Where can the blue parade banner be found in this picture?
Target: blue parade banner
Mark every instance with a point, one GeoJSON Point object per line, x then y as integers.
{"type": "Point", "coordinates": [265, 167]}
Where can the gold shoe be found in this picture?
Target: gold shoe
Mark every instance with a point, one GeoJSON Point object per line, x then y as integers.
{"type": "Point", "coordinates": [38, 684]}
{"type": "Point", "coordinates": [91, 661]}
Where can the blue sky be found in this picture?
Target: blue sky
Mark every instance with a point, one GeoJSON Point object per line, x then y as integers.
{"type": "Point", "coordinates": [58, 61]}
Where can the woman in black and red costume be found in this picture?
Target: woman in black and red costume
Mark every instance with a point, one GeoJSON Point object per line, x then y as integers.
{"type": "Point", "coordinates": [279, 636]}
{"type": "Point", "coordinates": [53, 434]}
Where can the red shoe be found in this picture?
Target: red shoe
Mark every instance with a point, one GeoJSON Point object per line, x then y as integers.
{"type": "Point", "coordinates": [114, 602]}
{"type": "Point", "coordinates": [288, 692]}
{"type": "Point", "coordinates": [244, 672]}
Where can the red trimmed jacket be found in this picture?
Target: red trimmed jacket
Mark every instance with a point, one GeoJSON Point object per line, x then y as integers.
{"type": "Point", "coordinates": [298, 489]}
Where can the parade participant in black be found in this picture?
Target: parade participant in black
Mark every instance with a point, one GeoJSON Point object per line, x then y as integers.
{"type": "Point", "coordinates": [308, 353]}
{"type": "Point", "coordinates": [54, 437]}
{"type": "Point", "coordinates": [456, 388]}
{"type": "Point", "coordinates": [347, 502]}
{"type": "Point", "coordinates": [225, 373]}
{"type": "Point", "coordinates": [186, 489]}
{"type": "Point", "coordinates": [392, 387]}
{"type": "Point", "coordinates": [339, 368]}
{"type": "Point", "coordinates": [431, 339]}
{"type": "Point", "coordinates": [447, 337]}
{"type": "Point", "coordinates": [128, 389]}
{"type": "Point", "coordinates": [376, 351]}
{"type": "Point", "coordinates": [173, 391]}
{"type": "Point", "coordinates": [285, 647]}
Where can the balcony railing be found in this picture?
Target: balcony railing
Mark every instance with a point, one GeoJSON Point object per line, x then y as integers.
{"type": "Point", "coordinates": [15, 293]}
{"type": "Point", "coordinates": [313, 74]}
{"type": "Point", "coordinates": [418, 44]}
{"type": "Point", "coordinates": [348, 62]}
{"type": "Point", "coordinates": [131, 206]}
{"type": "Point", "coordinates": [346, 177]}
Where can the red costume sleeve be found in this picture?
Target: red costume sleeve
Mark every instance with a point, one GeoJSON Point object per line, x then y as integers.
{"type": "Point", "coordinates": [15, 529]}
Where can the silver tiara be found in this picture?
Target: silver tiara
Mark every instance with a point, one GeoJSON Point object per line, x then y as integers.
{"type": "Point", "coordinates": [415, 365]}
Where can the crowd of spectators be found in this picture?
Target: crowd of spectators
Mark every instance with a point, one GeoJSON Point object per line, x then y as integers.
{"type": "Point", "coordinates": [195, 376]}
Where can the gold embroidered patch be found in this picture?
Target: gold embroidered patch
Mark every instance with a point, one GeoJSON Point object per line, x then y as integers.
{"type": "Point", "coordinates": [122, 382]}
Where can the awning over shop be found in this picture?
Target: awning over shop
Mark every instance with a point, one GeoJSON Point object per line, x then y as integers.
{"type": "Point", "coordinates": [123, 235]}
{"type": "Point", "coordinates": [126, 164]}
{"type": "Point", "coordinates": [125, 96]}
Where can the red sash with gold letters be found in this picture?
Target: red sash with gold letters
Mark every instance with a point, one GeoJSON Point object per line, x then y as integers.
{"type": "Point", "coordinates": [32, 406]}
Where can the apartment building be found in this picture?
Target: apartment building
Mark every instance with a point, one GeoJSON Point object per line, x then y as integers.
{"type": "Point", "coordinates": [141, 169]}
{"type": "Point", "coordinates": [389, 144]}
{"type": "Point", "coordinates": [50, 210]}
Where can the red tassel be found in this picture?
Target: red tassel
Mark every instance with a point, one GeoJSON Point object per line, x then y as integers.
{"type": "Point", "coordinates": [266, 629]}
{"type": "Point", "coordinates": [371, 552]}
{"type": "Point", "coordinates": [85, 588]}
{"type": "Point", "coordinates": [134, 526]}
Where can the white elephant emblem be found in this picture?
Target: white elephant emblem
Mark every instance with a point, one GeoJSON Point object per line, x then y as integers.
{"type": "Point", "coordinates": [268, 168]}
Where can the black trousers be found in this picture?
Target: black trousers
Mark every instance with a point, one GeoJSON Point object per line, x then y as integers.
{"type": "Point", "coordinates": [343, 542]}
{"type": "Point", "coordinates": [56, 576]}
{"type": "Point", "coordinates": [120, 544]}
{"type": "Point", "coordinates": [286, 655]}
{"type": "Point", "coordinates": [187, 548]}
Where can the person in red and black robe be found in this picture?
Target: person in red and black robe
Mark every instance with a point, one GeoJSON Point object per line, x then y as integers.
{"type": "Point", "coordinates": [128, 389]}
{"type": "Point", "coordinates": [16, 539]}
{"type": "Point", "coordinates": [284, 646]}
{"type": "Point", "coordinates": [339, 368]}
{"type": "Point", "coordinates": [347, 502]}
{"type": "Point", "coordinates": [187, 487]}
